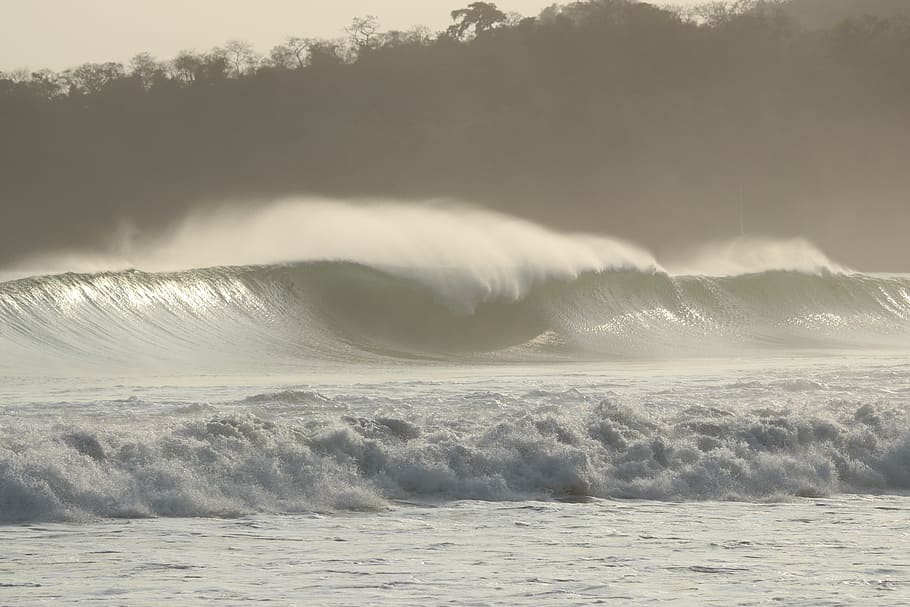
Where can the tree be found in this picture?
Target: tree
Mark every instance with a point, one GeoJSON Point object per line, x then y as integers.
{"type": "Point", "coordinates": [417, 36]}
{"type": "Point", "coordinates": [21, 74]}
{"type": "Point", "coordinates": [362, 32]}
{"type": "Point", "coordinates": [149, 71]}
{"type": "Point", "coordinates": [323, 53]}
{"type": "Point", "coordinates": [215, 66]}
{"type": "Point", "coordinates": [46, 83]}
{"type": "Point", "coordinates": [241, 57]}
{"type": "Point", "coordinates": [91, 78]}
{"type": "Point", "coordinates": [186, 66]}
{"type": "Point", "coordinates": [723, 11]}
{"type": "Point", "coordinates": [292, 54]}
{"type": "Point", "coordinates": [477, 18]}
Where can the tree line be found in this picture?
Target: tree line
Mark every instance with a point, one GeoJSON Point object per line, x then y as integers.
{"type": "Point", "coordinates": [239, 59]}
{"type": "Point", "coordinates": [656, 124]}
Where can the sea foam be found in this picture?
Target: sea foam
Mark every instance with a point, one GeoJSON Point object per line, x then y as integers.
{"type": "Point", "coordinates": [571, 447]}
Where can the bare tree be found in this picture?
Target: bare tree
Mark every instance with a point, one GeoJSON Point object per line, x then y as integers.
{"type": "Point", "coordinates": [241, 57]}
{"type": "Point", "coordinates": [293, 53]}
{"type": "Point", "coordinates": [723, 11]}
{"type": "Point", "coordinates": [362, 32]}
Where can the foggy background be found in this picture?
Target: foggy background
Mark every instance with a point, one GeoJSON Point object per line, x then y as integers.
{"type": "Point", "coordinates": [671, 128]}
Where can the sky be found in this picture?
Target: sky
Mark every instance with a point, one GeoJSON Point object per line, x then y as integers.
{"type": "Point", "coordinates": [58, 34]}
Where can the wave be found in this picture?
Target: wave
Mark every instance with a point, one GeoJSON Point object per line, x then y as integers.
{"type": "Point", "coordinates": [330, 311]}
{"type": "Point", "coordinates": [329, 281]}
{"type": "Point", "coordinates": [232, 464]}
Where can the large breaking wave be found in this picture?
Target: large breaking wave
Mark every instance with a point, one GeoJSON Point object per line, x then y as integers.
{"type": "Point", "coordinates": [342, 311]}
{"type": "Point", "coordinates": [341, 282]}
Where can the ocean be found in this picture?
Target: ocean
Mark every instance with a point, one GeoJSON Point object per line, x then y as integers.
{"type": "Point", "coordinates": [521, 418]}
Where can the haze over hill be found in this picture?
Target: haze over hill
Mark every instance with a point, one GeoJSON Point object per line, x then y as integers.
{"type": "Point", "coordinates": [667, 128]}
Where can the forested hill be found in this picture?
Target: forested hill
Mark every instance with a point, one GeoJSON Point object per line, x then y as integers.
{"type": "Point", "coordinates": [827, 13]}
{"type": "Point", "coordinates": [664, 127]}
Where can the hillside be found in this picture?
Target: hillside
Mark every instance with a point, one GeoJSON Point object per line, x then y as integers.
{"type": "Point", "coordinates": [826, 13]}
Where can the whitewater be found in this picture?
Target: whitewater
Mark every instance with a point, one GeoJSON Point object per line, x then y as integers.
{"type": "Point", "coordinates": [329, 403]}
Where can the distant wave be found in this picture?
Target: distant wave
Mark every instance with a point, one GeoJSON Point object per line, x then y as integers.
{"type": "Point", "coordinates": [232, 464]}
{"type": "Point", "coordinates": [330, 311]}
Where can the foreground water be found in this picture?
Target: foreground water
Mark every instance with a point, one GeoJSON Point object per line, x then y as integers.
{"type": "Point", "coordinates": [848, 550]}
{"type": "Point", "coordinates": [777, 480]}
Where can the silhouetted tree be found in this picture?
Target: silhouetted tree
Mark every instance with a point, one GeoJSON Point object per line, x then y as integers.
{"type": "Point", "coordinates": [92, 78]}
{"type": "Point", "coordinates": [477, 18]}
{"type": "Point", "coordinates": [46, 83]}
{"type": "Point", "coordinates": [148, 70]}
{"type": "Point", "coordinates": [186, 66]}
{"type": "Point", "coordinates": [362, 32]}
{"type": "Point", "coordinates": [324, 54]}
{"type": "Point", "coordinates": [241, 57]}
{"type": "Point", "coordinates": [292, 54]}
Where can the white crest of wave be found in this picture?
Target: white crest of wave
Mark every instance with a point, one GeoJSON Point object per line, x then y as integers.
{"type": "Point", "coordinates": [467, 254]}
{"type": "Point", "coordinates": [753, 254]}
{"type": "Point", "coordinates": [464, 253]}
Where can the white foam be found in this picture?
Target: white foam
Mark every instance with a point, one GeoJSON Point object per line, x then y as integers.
{"type": "Point", "coordinates": [564, 446]}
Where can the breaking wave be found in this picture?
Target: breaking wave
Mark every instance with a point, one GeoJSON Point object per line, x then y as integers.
{"type": "Point", "coordinates": [335, 281]}
{"type": "Point", "coordinates": [232, 464]}
{"type": "Point", "coordinates": [345, 311]}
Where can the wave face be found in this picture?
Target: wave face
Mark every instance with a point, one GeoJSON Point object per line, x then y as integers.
{"type": "Point", "coordinates": [331, 311]}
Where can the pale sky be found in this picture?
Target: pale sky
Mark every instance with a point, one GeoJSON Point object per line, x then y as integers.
{"type": "Point", "coordinates": [57, 34]}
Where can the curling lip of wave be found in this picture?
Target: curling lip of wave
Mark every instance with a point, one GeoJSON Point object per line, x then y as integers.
{"type": "Point", "coordinates": [481, 251]}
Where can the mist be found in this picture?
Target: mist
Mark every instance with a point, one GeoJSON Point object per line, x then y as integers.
{"type": "Point", "coordinates": [497, 253]}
